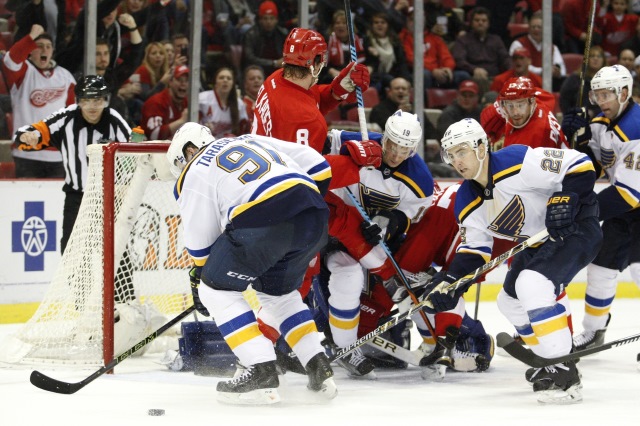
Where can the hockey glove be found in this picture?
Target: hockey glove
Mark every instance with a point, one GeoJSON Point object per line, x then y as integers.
{"type": "Point", "coordinates": [394, 224]}
{"type": "Point", "coordinates": [344, 84]}
{"type": "Point", "coordinates": [441, 299]}
{"type": "Point", "coordinates": [363, 153]}
{"type": "Point", "coordinates": [493, 123]}
{"type": "Point", "coordinates": [371, 232]}
{"type": "Point", "coordinates": [194, 277]}
{"type": "Point", "coordinates": [575, 122]}
{"type": "Point", "coordinates": [562, 209]}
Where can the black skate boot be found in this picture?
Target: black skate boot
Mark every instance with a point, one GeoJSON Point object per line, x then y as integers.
{"type": "Point", "coordinates": [357, 365]}
{"type": "Point", "coordinates": [256, 385]}
{"type": "Point", "coordinates": [589, 338]}
{"type": "Point", "coordinates": [321, 376]}
{"type": "Point", "coordinates": [436, 363]}
{"type": "Point", "coordinates": [557, 384]}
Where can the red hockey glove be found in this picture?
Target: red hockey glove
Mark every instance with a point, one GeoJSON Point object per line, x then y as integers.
{"type": "Point", "coordinates": [492, 122]}
{"type": "Point", "coordinates": [344, 85]}
{"type": "Point", "coordinates": [363, 153]}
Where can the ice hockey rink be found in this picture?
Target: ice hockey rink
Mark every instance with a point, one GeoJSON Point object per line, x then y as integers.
{"type": "Point", "coordinates": [499, 396]}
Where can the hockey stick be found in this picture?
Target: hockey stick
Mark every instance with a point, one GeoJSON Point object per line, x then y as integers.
{"type": "Point", "coordinates": [47, 383]}
{"type": "Point", "coordinates": [585, 61]}
{"type": "Point", "coordinates": [527, 356]}
{"type": "Point", "coordinates": [354, 58]}
{"type": "Point", "coordinates": [399, 272]}
{"type": "Point", "coordinates": [396, 319]}
{"type": "Point", "coordinates": [397, 351]}
{"type": "Point", "coordinates": [494, 262]}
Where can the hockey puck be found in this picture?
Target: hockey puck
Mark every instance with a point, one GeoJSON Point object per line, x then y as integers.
{"type": "Point", "coordinates": [156, 412]}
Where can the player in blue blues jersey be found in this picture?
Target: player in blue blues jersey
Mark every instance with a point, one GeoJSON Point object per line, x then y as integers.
{"type": "Point", "coordinates": [513, 194]}
{"type": "Point", "coordinates": [612, 140]}
{"type": "Point", "coordinates": [253, 214]}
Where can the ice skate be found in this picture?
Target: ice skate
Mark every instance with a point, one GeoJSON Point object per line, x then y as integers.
{"type": "Point", "coordinates": [321, 376]}
{"type": "Point", "coordinates": [357, 365]}
{"type": "Point", "coordinates": [256, 385]}
{"type": "Point", "coordinates": [590, 338]}
{"type": "Point", "coordinates": [557, 384]}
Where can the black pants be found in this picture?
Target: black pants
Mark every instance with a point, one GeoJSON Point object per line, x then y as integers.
{"type": "Point", "coordinates": [38, 169]}
{"type": "Point", "coordinates": [72, 203]}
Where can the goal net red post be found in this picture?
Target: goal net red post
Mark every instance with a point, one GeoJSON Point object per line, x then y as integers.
{"type": "Point", "coordinates": [124, 272]}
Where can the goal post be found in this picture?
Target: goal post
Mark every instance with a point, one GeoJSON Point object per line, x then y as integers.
{"type": "Point", "coordinates": [124, 271]}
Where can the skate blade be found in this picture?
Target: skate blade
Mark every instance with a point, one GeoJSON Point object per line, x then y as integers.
{"type": "Point", "coordinates": [573, 395]}
{"type": "Point", "coordinates": [371, 375]}
{"type": "Point", "coordinates": [254, 397]}
{"type": "Point", "coordinates": [329, 390]}
{"type": "Point", "coordinates": [433, 373]}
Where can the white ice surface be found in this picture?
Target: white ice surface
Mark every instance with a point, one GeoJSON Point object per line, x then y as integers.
{"type": "Point", "coordinates": [497, 397]}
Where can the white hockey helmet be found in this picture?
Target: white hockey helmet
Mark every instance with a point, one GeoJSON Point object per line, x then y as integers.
{"type": "Point", "coordinates": [189, 133]}
{"type": "Point", "coordinates": [403, 128]}
{"type": "Point", "coordinates": [614, 78]}
{"type": "Point", "coordinates": [466, 131]}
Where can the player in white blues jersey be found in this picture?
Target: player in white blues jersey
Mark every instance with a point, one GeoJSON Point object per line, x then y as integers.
{"type": "Point", "coordinates": [516, 193]}
{"type": "Point", "coordinates": [612, 139]}
{"type": "Point", "coordinates": [253, 214]}
{"type": "Point", "coordinates": [394, 195]}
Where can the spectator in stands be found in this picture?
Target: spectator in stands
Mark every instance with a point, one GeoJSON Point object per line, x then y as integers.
{"type": "Point", "coordinates": [158, 26]}
{"type": "Point", "coordinates": [466, 105]}
{"type": "Point", "coordinates": [170, 51]}
{"type": "Point", "coordinates": [443, 21]}
{"type": "Point", "coordinates": [38, 87]}
{"type": "Point", "coordinates": [221, 110]}
{"type": "Point", "coordinates": [633, 43]}
{"type": "Point", "coordinates": [164, 112]}
{"type": "Point", "coordinates": [626, 58]}
{"type": "Point", "coordinates": [154, 73]}
{"type": "Point", "coordinates": [533, 43]}
{"type": "Point", "coordinates": [636, 71]}
{"type": "Point", "coordinates": [557, 23]}
{"type": "Point", "coordinates": [384, 52]}
{"type": "Point", "coordinates": [287, 14]}
{"type": "Point", "coordinates": [70, 130]}
{"type": "Point", "coordinates": [362, 11]}
{"type": "Point", "coordinates": [481, 54]}
{"type": "Point", "coordinates": [109, 26]}
{"type": "Point", "coordinates": [139, 9]}
{"type": "Point", "coordinates": [398, 96]}
{"type": "Point", "coordinates": [180, 44]}
{"type": "Point", "coordinates": [571, 86]}
{"type": "Point", "coordinates": [439, 65]}
{"type": "Point", "coordinates": [339, 50]}
{"type": "Point", "coordinates": [520, 61]}
{"type": "Point", "coordinates": [576, 21]}
{"type": "Point", "coordinates": [500, 14]}
{"type": "Point", "coordinates": [49, 14]}
{"type": "Point", "coordinates": [263, 43]}
{"type": "Point", "coordinates": [253, 79]}
{"type": "Point", "coordinates": [616, 26]}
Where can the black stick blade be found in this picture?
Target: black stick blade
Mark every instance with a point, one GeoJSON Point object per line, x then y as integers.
{"type": "Point", "coordinates": [47, 383]}
{"type": "Point", "coordinates": [519, 352]}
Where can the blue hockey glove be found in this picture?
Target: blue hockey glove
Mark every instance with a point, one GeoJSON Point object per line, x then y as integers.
{"type": "Point", "coordinates": [562, 209]}
{"type": "Point", "coordinates": [575, 122]}
{"type": "Point", "coordinates": [440, 299]}
{"type": "Point", "coordinates": [194, 277]}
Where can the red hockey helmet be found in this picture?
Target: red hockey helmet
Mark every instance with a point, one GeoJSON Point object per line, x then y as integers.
{"type": "Point", "coordinates": [305, 48]}
{"type": "Point", "coordinates": [517, 88]}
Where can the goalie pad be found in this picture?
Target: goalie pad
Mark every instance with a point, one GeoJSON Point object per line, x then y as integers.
{"type": "Point", "coordinates": [132, 323]}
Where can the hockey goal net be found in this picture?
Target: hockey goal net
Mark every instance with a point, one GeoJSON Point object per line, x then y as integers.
{"type": "Point", "coordinates": [124, 271]}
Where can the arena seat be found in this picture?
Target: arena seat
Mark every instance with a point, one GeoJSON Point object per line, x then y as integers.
{"type": "Point", "coordinates": [572, 61]}
{"type": "Point", "coordinates": [440, 98]}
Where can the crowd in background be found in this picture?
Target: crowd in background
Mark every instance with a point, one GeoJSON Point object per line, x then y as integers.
{"type": "Point", "coordinates": [471, 49]}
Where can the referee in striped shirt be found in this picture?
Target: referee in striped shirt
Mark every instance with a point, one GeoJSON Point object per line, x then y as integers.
{"type": "Point", "coordinates": [71, 130]}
